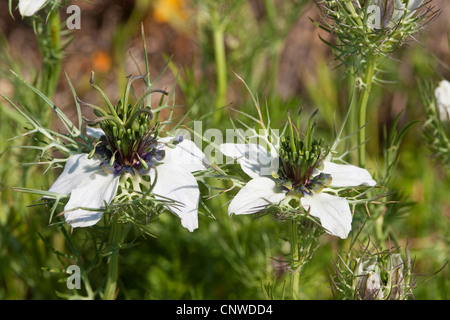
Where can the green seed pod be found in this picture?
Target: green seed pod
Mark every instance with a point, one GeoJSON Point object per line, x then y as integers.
{"type": "Point", "coordinates": [142, 130]}
{"type": "Point", "coordinates": [135, 126]}
{"type": "Point", "coordinates": [97, 113]}
{"type": "Point", "coordinates": [119, 106]}
{"type": "Point", "coordinates": [121, 133]}
{"type": "Point", "coordinates": [111, 161]}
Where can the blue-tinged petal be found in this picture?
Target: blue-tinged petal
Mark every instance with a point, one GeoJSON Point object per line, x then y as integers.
{"type": "Point", "coordinates": [174, 182]}
{"type": "Point", "coordinates": [77, 169]}
{"type": "Point", "coordinates": [255, 196]}
{"type": "Point", "coordinates": [185, 154]}
{"type": "Point", "coordinates": [254, 159]}
{"type": "Point", "coordinates": [92, 193]}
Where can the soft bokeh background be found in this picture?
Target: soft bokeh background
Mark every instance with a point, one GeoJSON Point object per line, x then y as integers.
{"type": "Point", "coordinates": [275, 48]}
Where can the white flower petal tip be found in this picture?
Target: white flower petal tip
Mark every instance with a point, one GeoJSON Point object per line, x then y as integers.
{"type": "Point", "coordinates": [80, 218]}
{"type": "Point", "coordinates": [88, 187]}
{"type": "Point", "coordinates": [414, 4]}
{"type": "Point", "coordinates": [254, 159]}
{"type": "Point", "coordinates": [185, 154]}
{"type": "Point", "coordinates": [333, 212]}
{"type": "Point", "coordinates": [255, 196]}
{"type": "Point", "coordinates": [178, 184]}
{"type": "Point", "coordinates": [28, 8]}
{"type": "Point", "coordinates": [442, 94]}
{"type": "Point", "coordinates": [347, 175]}
{"type": "Point", "coordinates": [77, 169]}
{"type": "Point", "coordinates": [95, 133]}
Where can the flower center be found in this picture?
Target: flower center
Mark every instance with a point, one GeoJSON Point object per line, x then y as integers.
{"type": "Point", "coordinates": [130, 136]}
{"type": "Point", "coordinates": [140, 158]}
{"type": "Point", "coordinates": [298, 165]}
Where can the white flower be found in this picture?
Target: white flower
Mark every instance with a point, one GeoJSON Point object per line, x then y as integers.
{"type": "Point", "coordinates": [262, 190]}
{"type": "Point", "coordinates": [28, 8]}
{"type": "Point", "coordinates": [442, 94]}
{"type": "Point", "coordinates": [90, 187]}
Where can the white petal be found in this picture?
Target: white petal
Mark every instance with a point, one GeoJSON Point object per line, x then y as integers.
{"type": "Point", "coordinates": [398, 12]}
{"type": "Point", "coordinates": [442, 94]}
{"type": "Point", "coordinates": [95, 133]}
{"type": "Point", "coordinates": [333, 212]}
{"type": "Point", "coordinates": [29, 7]}
{"type": "Point", "coordinates": [255, 195]}
{"type": "Point", "coordinates": [178, 184]}
{"type": "Point", "coordinates": [185, 154]}
{"type": "Point", "coordinates": [98, 188]}
{"type": "Point", "coordinates": [77, 168]}
{"type": "Point", "coordinates": [254, 159]}
{"type": "Point", "coordinates": [347, 175]}
{"type": "Point", "coordinates": [414, 4]}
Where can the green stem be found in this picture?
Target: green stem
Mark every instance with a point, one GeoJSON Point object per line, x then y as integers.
{"type": "Point", "coordinates": [295, 264]}
{"type": "Point", "coordinates": [362, 109]}
{"type": "Point", "coordinates": [51, 50]}
{"type": "Point", "coordinates": [353, 115]}
{"type": "Point", "coordinates": [113, 263]}
{"type": "Point", "coordinates": [221, 70]}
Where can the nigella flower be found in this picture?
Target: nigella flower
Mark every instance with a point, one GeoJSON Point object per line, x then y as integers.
{"type": "Point", "coordinates": [28, 8]}
{"type": "Point", "coordinates": [303, 173]}
{"type": "Point", "coordinates": [129, 147]}
{"type": "Point", "coordinates": [370, 29]}
{"type": "Point", "coordinates": [442, 94]}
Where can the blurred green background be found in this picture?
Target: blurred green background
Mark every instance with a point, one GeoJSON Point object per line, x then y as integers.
{"type": "Point", "coordinates": [275, 48]}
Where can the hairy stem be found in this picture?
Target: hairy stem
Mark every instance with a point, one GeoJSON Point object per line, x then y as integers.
{"type": "Point", "coordinates": [362, 109]}
{"type": "Point", "coordinates": [113, 263]}
{"type": "Point", "coordinates": [295, 259]}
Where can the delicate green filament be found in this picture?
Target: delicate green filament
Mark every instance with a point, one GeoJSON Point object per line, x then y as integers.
{"type": "Point", "coordinates": [105, 97]}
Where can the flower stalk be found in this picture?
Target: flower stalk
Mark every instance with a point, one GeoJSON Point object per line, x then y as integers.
{"type": "Point", "coordinates": [369, 76]}
{"type": "Point", "coordinates": [113, 263]}
{"type": "Point", "coordinates": [221, 68]}
{"type": "Point", "coordinates": [295, 258]}
{"type": "Point", "coordinates": [50, 46]}
{"type": "Point", "coordinates": [367, 32]}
